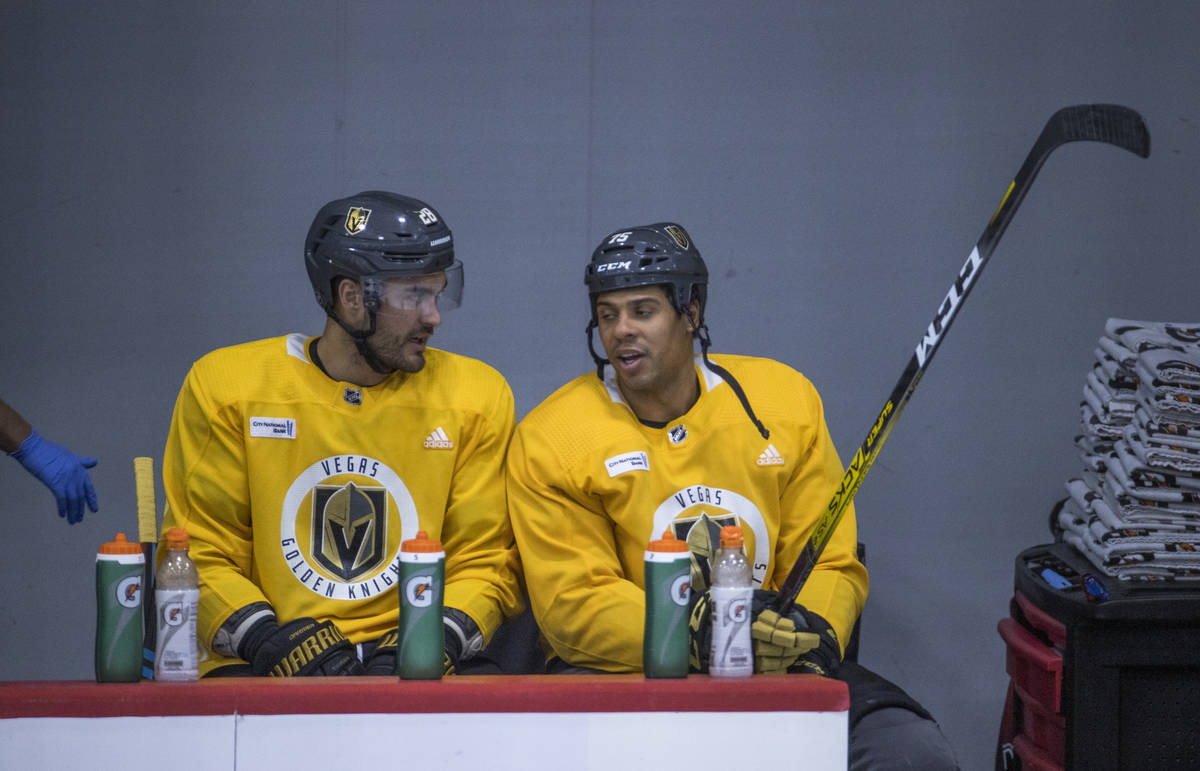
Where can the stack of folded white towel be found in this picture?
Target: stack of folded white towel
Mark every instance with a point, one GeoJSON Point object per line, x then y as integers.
{"type": "Point", "coordinates": [1135, 509]}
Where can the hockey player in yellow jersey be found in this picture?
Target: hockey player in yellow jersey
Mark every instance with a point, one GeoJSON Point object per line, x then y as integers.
{"type": "Point", "coordinates": [672, 440]}
{"type": "Point", "coordinates": [298, 464]}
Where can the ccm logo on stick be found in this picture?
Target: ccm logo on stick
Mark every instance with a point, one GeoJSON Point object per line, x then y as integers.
{"type": "Point", "coordinates": [949, 306]}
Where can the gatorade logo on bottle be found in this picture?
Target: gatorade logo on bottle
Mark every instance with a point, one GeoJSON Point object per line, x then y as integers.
{"type": "Point", "coordinates": [417, 591]}
{"type": "Point", "coordinates": [681, 589]}
{"type": "Point", "coordinates": [737, 612]}
{"type": "Point", "coordinates": [129, 592]}
{"type": "Point", "coordinates": [174, 613]}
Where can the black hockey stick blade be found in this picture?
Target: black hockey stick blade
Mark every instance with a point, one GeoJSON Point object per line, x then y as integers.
{"type": "Point", "coordinates": [1107, 123]}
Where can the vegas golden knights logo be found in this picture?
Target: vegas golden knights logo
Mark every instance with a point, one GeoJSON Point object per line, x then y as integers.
{"type": "Point", "coordinates": [349, 532]}
{"type": "Point", "coordinates": [678, 236]}
{"type": "Point", "coordinates": [356, 219]}
{"type": "Point", "coordinates": [702, 535]}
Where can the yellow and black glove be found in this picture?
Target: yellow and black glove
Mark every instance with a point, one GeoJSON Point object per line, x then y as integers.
{"type": "Point", "coordinates": [801, 641]}
{"type": "Point", "coordinates": [778, 643]}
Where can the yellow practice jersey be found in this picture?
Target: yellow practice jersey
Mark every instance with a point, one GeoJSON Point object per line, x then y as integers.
{"type": "Point", "coordinates": [297, 489]}
{"type": "Point", "coordinates": [589, 486]}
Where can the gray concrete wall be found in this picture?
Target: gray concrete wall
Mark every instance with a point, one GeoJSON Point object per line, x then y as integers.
{"type": "Point", "coordinates": [834, 162]}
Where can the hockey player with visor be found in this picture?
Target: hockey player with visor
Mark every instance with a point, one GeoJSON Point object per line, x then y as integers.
{"type": "Point", "coordinates": [299, 464]}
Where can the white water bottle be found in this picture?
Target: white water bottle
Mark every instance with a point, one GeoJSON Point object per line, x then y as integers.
{"type": "Point", "coordinates": [177, 597]}
{"type": "Point", "coordinates": [732, 592]}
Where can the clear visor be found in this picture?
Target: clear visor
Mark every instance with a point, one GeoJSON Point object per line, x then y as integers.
{"type": "Point", "coordinates": [442, 291]}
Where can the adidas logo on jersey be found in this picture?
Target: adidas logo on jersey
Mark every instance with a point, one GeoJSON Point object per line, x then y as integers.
{"type": "Point", "coordinates": [770, 457]}
{"type": "Point", "coordinates": [438, 440]}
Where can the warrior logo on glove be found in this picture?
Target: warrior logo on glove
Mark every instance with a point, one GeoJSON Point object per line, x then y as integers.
{"type": "Point", "coordinates": [342, 523]}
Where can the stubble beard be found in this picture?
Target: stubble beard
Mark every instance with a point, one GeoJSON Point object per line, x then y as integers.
{"type": "Point", "coordinates": [393, 355]}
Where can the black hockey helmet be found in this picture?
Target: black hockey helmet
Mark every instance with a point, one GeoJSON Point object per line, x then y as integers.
{"type": "Point", "coordinates": [376, 235]}
{"type": "Point", "coordinates": [662, 253]}
{"type": "Point", "coordinates": [658, 254]}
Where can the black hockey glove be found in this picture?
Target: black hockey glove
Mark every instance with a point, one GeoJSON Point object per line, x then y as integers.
{"type": "Point", "coordinates": [463, 641]}
{"type": "Point", "coordinates": [299, 648]}
{"type": "Point", "coordinates": [699, 632]}
{"type": "Point", "coordinates": [382, 660]}
{"type": "Point", "coordinates": [801, 641]}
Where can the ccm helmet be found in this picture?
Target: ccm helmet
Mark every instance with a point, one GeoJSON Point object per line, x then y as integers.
{"type": "Point", "coordinates": [376, 235]}
{"type": "Point", "coordinates": [662, 253]}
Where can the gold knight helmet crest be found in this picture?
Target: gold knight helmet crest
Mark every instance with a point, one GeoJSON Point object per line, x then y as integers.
{"type": "Point", "coordinates": [356, 219]}
{"type": "Point", "coordinates": [678, 235]}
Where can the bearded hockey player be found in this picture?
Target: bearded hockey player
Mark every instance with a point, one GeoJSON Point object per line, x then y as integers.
{"type": "Point", "coordinates": [298, 464]}
{"type": "Point", "coordinates": [672, 440]}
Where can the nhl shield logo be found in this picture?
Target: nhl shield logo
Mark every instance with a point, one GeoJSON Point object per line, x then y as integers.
{"type": "Point", "coordinates": [356, 219]}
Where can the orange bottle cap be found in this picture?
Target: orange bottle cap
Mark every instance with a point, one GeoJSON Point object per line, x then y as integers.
{"type": "Point", "coordinates": [668, 542]}
{"type": "Point", "coordinates": [119, 545]}
{"type": "Point", "coordinates": [177, 539]}
{"type": "Point", "coordinates": [731, 536]}
{"type": "Point", "coordinates": [422, 543]}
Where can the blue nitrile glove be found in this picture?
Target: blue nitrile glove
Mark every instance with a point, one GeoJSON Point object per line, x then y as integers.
{"type": "Point", "coordinates": [64, 472]}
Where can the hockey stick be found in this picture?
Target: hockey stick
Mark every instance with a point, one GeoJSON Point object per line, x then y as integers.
{"type": "Point", "coordinates": [143, 476]}
{"type": "Point", "coordinates": [1108, 123]}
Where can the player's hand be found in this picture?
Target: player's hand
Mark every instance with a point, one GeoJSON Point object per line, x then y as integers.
{"type": "Point", "coordinates": [801, 641]}
{"type": "Point", "coordinates": [64, 472]}
{"type": "Point", "coordinates": [299, 648]}
{"type": "Point", "coordinates": [382, 660]}
{"type": "Point", "coordinates": [462, 636]}
{"type": "Point", "coordinates": [777, 642]}
{"type": "Point", "coordinates": [699, 632]}
{"type": "Point", "coordinates": [463, 639]}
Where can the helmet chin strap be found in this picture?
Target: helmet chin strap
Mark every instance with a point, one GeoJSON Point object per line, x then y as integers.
{"type": "Point", "coordinates": [727, 376]}
{"type": "Point", "coordinates": [705, 343]}
{"type": "Point", "coordinates": [600, 361]}
{"type": "Point", "coordinates": [360, 342]}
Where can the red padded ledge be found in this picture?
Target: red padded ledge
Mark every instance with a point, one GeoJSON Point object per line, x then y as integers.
{"type": "Point", "coordinates": [355, 695]}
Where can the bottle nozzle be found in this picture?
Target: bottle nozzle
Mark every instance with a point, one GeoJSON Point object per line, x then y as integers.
{"type": "Point", "coordinates": [731, 537]}
{"type": "Point", "coordinates": [177, 539]}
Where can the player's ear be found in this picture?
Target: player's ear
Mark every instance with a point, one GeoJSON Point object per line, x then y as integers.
{"type": "Point", "coordinates": [349, 298]}
{"type": "Point", "coordinates": [693, 313]}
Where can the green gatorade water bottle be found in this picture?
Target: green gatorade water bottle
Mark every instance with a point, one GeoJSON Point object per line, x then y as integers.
{"type": "Point", "coordinates": [668, 575]}
{"type": "Point", "coordinates": [119, 567]}
{"type": "Point", "coordinates": [422, 588]}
